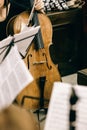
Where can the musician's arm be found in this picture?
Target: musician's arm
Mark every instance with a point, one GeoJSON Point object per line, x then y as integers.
{"type": "Point", "coordinates": [4, 10]}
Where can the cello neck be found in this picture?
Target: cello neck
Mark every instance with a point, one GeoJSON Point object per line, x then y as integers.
{"type": "Point", "coordinates": [38, 39]}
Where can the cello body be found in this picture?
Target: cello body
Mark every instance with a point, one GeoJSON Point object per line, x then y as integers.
{"type": "Point", "coordinates": [38, 62]}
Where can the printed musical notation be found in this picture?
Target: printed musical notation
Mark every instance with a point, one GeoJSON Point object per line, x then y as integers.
{"type": "Point", "coordinates": [58, 117]}
{"type": "Point", "coordinates": [14, 75]}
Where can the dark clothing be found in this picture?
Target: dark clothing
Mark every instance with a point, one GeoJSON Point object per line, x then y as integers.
{"type": "Point", "coordinates": [17, 6]}
{"type": "Point", "coordinates": [25, 4]}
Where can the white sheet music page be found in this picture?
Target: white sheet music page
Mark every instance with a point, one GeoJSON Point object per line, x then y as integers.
{"type": "Point", "coordinates": [14, 76]}
{"type": "Point", "coordinates": [3, 46]}
{"type": "Point", "coordinates": [24, 38]}
{"type": "Point", "coordinates": [81, 109]}
{"type": "Point", "coordinates": [58, 112]}
{"type": "Point", "coordinates": [59, 107]}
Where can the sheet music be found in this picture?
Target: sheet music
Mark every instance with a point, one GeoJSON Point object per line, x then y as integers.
{"type": "Point", "coordinates": [3, 46]}
{"type": "Point", "coordinates": [59, 107]}
{"type": "Point", "coordinates": [58, 112]}
{"type": "Point", "coordinates": [14, 77]}
{"type": "Point", "coordinates": [81, 119]}
{"type": "Point", "coordinates": [24, 38]}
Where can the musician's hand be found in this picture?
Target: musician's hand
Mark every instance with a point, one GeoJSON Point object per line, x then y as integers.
{"type": "Point", "coordinates": [1, 3]}
{"type": "Point", "coordinates": [39, 5]}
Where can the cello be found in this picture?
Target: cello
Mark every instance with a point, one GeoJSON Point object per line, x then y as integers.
{"type": "Point", "coordinates": [37, 94]}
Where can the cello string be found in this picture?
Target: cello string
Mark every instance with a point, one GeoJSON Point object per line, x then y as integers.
{"type": "Point", "coordinates": [31, 14]}
{"type": "Point", "coordinates": [40, 8]}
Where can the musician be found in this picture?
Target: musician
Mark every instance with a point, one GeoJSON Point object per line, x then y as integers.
{"type": "Point", "coordinates": [10, 8]}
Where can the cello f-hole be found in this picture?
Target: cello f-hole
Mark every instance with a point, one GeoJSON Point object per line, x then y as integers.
{"type": "Point", "coordinates": [28, 62]}
{"type": "Point", "coordinates": [48, 66]}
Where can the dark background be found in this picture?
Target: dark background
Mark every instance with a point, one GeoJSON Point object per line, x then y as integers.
{"type": "Point", "coordinates": [69, 48]}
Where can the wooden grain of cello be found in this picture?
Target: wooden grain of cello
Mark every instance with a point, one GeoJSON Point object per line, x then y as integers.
{"type": "Point", "coordinates": [39, 63]}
